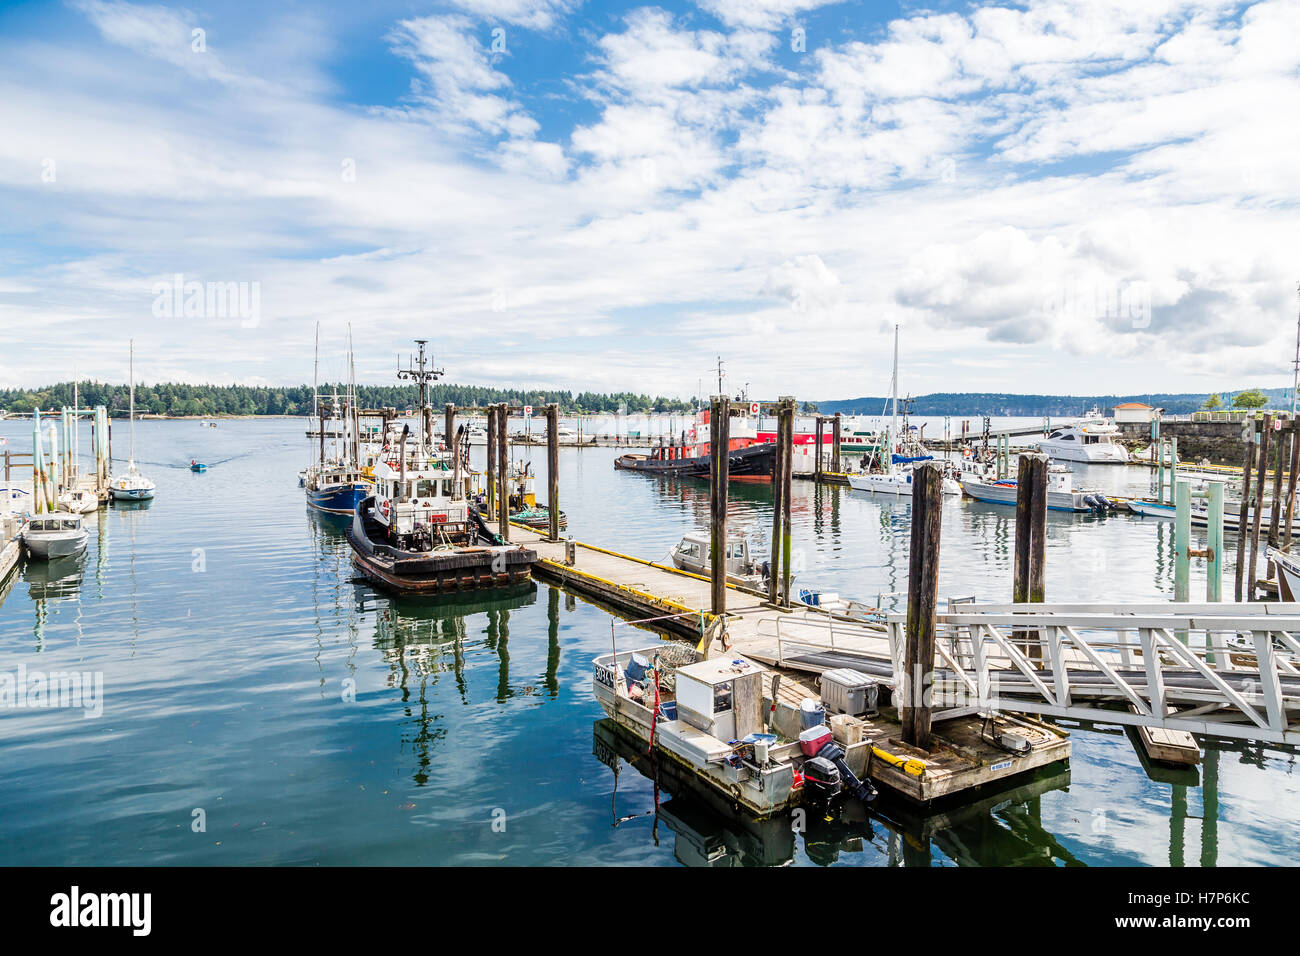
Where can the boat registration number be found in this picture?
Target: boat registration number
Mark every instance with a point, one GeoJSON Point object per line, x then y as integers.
{"type": "Point", "coordinates": [605, 675]}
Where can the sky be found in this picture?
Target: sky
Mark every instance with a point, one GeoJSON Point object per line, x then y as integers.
{"type": "Point", "coordinates": [1058, 197]}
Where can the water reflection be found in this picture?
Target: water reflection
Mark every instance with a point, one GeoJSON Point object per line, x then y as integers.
{"type": "Point", "coordinates": [1002, 828]}
{"type": "Point", "coordinates": [423, 641]}
{"type": "Point", "coordinates": [51, 584]}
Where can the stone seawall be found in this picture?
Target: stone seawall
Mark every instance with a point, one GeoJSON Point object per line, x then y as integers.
{"type": "Point", "coordinates": [1218, 442]}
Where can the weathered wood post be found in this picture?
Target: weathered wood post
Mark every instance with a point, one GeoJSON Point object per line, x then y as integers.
{"type": "Point", "coordinates": [922, 598]}
{"type": "Point", "coordinates": [787, 493]}
{"type": "Point", "coordinates": [1290, 484]}
{"type": "Point", "coordinates": [1260, 487]}
{"type": "Point", "coordinates": [1031, 536]}
{"type": "Point", "coordinates": [449, 429]}
{"type": "Point", "coordinates": [778, 488]}
{"type": "Point", "coordinates": [490, 473]}
{"type": "Point", "coordinates": [817, 465]}
{"type": "Point", "coordinates": [836, 432]}
{"type": "Point", "coordinates": [1248, 435]}
{"type": "Point", "coordinates": [503, 472]}
{"type": "Point", "coordinates": [553, 470]}
{"type": "Point", "coordinates": [1275, 512]}
{"type": "Point", "coordinates": [720, 473]}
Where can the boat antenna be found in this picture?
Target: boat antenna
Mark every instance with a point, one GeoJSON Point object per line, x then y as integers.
{"type": "Point", "coordinates": [719, 370]}
{"type": "Point", "coordinates": [422, 376]}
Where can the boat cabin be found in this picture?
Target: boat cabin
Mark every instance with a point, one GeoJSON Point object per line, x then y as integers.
{"type": "Point", "coordinates": [421, 507]}
{"type": "Point", "coordinates": [721, 697]}
{"type": "Point", "coordinates": [694, 553]}
{"type": "Point", "coordinates": [61, 523]}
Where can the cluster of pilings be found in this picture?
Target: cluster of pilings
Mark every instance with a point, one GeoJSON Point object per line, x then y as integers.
{"type": "Point", "coordinates": [1270, 442]}
{"type": "Point", "coordinates": [56, 470]}
{"type": "Point", "coordinates": [498, 462]}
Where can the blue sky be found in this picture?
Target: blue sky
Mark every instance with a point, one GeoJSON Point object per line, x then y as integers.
{"type": "Point", "coordinates": [1048, 197]}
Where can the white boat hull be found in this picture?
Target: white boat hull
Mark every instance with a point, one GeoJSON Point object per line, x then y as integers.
{"type": "Point", "coordinates": [898, 483]}
{"type": "Point", "coordinates": [1006, 495]}
{"type": "Point", "coordinates": [52, 545]}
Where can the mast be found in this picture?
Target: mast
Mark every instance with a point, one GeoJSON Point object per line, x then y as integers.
{"type": "Point", "coordinates": [422, 376]}
{"type": "Point", "coordinates": [894, 395]}
{"type": "Point", "coordinates": [315, 376]}
{"type": "Point", "coordinates": [130, 466]}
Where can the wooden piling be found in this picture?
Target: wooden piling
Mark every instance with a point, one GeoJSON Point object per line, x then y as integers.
{"type": "Point", "coordinates": [503, 471]}
{"type": "Point", "coordinates": [1260, 486]}
{"type": "Point", "coordinates": [491, 470]}
{"type": "Point", "coordinates": [817, 464]}
{"type": "Point", "coordinates": [449, 430]}
{"type": "Point", "coordinates": [1290, 484]}
{"type": "Point", "coordinates": [778, 489]}
{"type": "Point", "coordinates": [1250, 434]}
{"type": "Point", "coordinates": [1031, 537]}
{"type": "Point", "coordinates": [720, 474]}
{"type": "Point", "coordinates": [1275, 512]}
{"type": "Point", "coordinates": [836, 430]}
{"type": "Point", "coordinates": [553, 470]}
{"type": "Point", "coordinates": [922, 598]}
{"type": "Point", "coordinates": [787, 493]}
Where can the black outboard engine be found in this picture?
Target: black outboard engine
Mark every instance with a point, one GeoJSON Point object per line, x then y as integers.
{"type": "Point", "coordinates": [832, 752]}
{"type": "Point", "coordinates": [821, 779]}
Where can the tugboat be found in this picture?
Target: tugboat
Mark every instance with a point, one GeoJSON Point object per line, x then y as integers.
{"type": "Point", "coordinates": [748, 456]}
{"type": "Point", "coordinates": [417, 533]}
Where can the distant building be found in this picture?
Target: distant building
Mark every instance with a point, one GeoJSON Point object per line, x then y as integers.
{"type": "Point", "coordinates": [1135, 413]}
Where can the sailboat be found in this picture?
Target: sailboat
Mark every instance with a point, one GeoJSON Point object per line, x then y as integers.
{"type": "Point", "coordinates": [132, 486]}
{"type": "Point", "coordinates": [895, 476]}
{"type": "Point", "coordinates": [335, 485]}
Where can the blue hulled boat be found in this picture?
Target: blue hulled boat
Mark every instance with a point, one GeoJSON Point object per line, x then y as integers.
{"type": "Point", "coordinates": [336, 491]}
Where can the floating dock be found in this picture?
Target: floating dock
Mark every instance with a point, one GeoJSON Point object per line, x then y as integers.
{"type": "Point", "coordinates": [962, 758]}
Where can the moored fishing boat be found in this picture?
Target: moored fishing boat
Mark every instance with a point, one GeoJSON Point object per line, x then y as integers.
{"type": "Point", "coordinates": [695, 554]}
{"type": "Point", "coordinates": [709, 717]}
{"type": "Point", "coordinates": [418, 533]}
{"type": "Point", "coordinates": [49, 537]}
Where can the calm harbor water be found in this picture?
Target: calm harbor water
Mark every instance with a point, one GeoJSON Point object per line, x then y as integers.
{"type": "Point", "coordinates": [249, 684]}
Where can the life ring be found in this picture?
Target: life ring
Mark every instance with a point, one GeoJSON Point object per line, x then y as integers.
{"type": "Point", "coordinates": [966, 453]}
{"type": "Point", "coordinates": [383, 506]}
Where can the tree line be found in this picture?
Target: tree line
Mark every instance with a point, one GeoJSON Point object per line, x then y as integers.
{"type": "Point", "coordinates": [174, 398]}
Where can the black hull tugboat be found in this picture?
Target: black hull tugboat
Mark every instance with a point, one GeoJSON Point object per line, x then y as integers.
{"type": "Point", "coordinates": [753, 461]}
{"type": "Point", "coordinates": [418, 532]}
{"type": "Point", "coordinates": [748, 456]}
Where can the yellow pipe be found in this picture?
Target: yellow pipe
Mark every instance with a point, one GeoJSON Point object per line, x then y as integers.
{"type": "Point", "coordinates": [909, 765]}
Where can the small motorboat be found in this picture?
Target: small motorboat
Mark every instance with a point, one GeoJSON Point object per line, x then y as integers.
{"type": "Point", "coordinates": [848, 609]}
{"type": "Point", "coordinates": [53, 536]}
{"type": "Point", "coordinates": [1061, 493]}
{"type": "Point", "coordinates": [694, 553]}
{"type": "Point", "coordinates": [79, 501]}
{"type": "Point", "coordinates": [198, 466]}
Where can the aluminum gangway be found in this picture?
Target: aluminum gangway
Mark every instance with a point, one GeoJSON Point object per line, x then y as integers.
{"type": "Point", "coordinates": [1224, 669]}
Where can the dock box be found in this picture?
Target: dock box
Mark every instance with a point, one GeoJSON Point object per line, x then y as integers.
{"type": "Point", "coordinates": [846, 691]}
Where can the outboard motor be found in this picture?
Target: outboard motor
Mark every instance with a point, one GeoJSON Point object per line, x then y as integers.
{"type": "Point", "coordinates": [825, 770]}
{"type": "Point", "coordinates": [1106, 503]}
{"type": "Point", "coordinates": [821, 779]}
{"type": "Point", "coordinates": [862, 789]}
